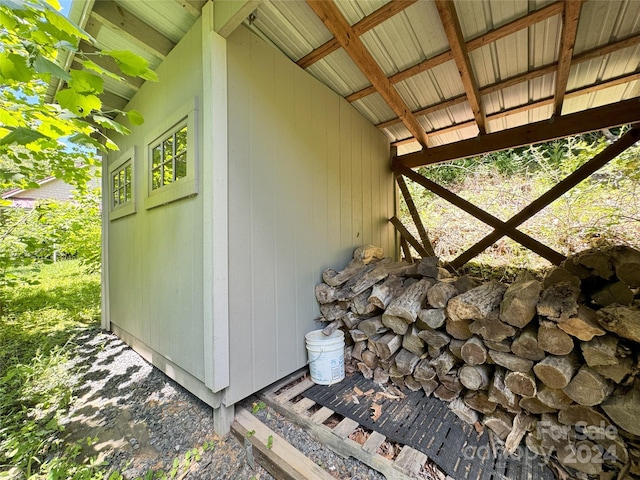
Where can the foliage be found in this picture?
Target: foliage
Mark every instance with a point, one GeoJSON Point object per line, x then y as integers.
{"type": "Point", "coordinates": [603, 209]}
{"type": "Point", "coordinates": [34, 39]}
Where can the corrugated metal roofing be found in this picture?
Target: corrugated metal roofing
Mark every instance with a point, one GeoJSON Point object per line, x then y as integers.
{"type": "Point", "coordinates": [415, 34]}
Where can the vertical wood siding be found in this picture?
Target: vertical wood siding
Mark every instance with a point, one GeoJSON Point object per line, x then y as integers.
{"type": "Point", "coordinates": [155, 256]}
{"type": "Point", "coordinates": [309, 181]}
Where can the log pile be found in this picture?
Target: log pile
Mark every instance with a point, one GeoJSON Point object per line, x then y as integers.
{"type": "Point", "coordinates": [552, 362]}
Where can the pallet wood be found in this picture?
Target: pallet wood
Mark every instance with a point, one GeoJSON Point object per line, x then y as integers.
{"type": "Point", "coordinates": [281, 460]}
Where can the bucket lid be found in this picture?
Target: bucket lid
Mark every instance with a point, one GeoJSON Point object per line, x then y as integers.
{"type": "Point", "coordinates": [315, 335]}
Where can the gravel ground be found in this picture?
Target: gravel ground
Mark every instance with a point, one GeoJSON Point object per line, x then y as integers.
{"type": "Point", "coordinates": [143, 421]}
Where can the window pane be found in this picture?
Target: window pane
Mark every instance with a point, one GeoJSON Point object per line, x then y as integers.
{"type": "Point", "coordinates": [168, 149]}
{"type": "Point", "coordinates": [114, 199]}
{"type": "Point", "coordinates": [168, 173]}
{"type": "Point", "coordinates": [127, 193]}
{"type": "Point", "coordinates": [156, 156]}
{"type": "Point", "coordinates": [120, 196]}
{"type": "Point", "coordinates": [156, 176]}
{"type": "Point", "coordinates": [181, 140]}
{"type": "Point", "coordinates": [181, 166]}
{"type": "Point", "coordinates": [127, 175]}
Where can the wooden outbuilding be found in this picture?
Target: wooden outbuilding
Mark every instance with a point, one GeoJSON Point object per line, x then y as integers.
{"type": "Point", "coordinates": [266, 152]}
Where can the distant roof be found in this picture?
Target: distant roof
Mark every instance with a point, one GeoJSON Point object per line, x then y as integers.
{"type": "Point", "coordinates": [429, 72]}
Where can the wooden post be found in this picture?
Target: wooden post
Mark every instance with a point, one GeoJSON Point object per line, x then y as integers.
{"type": "Point", "coordinates": [406, 194]}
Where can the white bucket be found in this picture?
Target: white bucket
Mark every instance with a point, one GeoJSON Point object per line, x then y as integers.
{"type": "Point", "coordinates": [326, 356]}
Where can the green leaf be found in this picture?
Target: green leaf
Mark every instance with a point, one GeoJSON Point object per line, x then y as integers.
{"type": "Point", "coordinates": [270, 442]}
{"type": "Point", "coordinates": [78, 103]}
{"type": "Point", "coordinates": [85, 140]}
{"type": "Point", "coordinates": [132, 64]}
{"type": "Point", "coordinates": [86, 82]}
{"type": "Point", "coordinates": [251, 433]}
{"type": "Point", "coordinates": [111, 124]}
{"type": "Point", "coordinates": [93, 66]}
{"type": "Point", "coordinates": [21, 136]}
{"type": "Point", "coordinates": [65, 25]}
{"type": "Point", "coordinates": [14, 67]}
{"type": "Point", "coordinates": [42, 65]}
{"type": "Point", "coordinates": [135, 117]}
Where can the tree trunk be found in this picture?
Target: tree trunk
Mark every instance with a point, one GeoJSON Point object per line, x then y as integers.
{"type": "Point", "coordinates": [333, 311]}
{"type": "Point", "coordinates": [429, 386]}
{"type": "Point", "coordinates": [412, 384]}
{"type": "Point", "coordinates": [556, 372]}
{"type": "Point", "coordinates": [626, 263]}
{"type": "Point", "coordinates": [404, 309]}
{"type": "Point", "coordinates": [584, 326]}
{"type": "Point", "coordinates": [553, 340]}
{"type": "Point", "coordinates": [365, 370]}
{"type": "Point", "coordinates": [370, 278]}
{"type": "Point", "coordinates": [358, 348]}
{"type": "Point", "coordinates": [617, 372]}
{"type": "Point", "coordinates": [588, 387]}
{"type": "Point", "coordinates": [560, 275]}
{"type": "Point", "coordinates": [358, 335]}
{"type": "Point", "coordinates": [476, 303]}
{"type": "Point", "coordinates": [526, 345]}
{"type": "Point", "coordinates": [380, 376]}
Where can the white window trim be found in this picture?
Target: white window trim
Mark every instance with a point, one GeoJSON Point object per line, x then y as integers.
{"type": "Point", "coordinates": [127, 208]}
{"type": "Point", "coordinates": [185, 186]}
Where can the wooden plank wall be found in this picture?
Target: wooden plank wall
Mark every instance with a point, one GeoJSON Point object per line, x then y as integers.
{"type": "Point", "coordinates": [309, 180]}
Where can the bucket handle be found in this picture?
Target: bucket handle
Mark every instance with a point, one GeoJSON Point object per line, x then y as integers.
{"type": "Point", "coordinates": [319, 355]}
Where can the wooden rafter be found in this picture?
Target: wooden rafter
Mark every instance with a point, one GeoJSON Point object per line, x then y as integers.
{"type": "Point", "coordinates": [406, 235]}
{"type": "Point", "coordinates": [569, 31]}
{"type": "Point", "coordinates": [194, 7]}
{"type": "Point", "coordinates": [597, 162]}
{"type": "Point", "coordinates": [453, 30]}
{"type": "Point", "coordinates": [351, 43]}
{"type": "Point", "coordinates": [621, 113]}
{"type": "Point", "coordinates": [477, 42]}
{"type": "Point", "coordinates": [367, 23]}
{"type": "Point", "coordinates": [140, 33]}
{"type": "Point", "coordinates": [484, 217]}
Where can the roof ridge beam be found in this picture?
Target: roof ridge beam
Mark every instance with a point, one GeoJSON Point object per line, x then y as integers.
{"type": "Point", "coordinates": [369, 22]}
{"type": "Point", "coordinates": [328, 12]}
{"type": "Point", "coordinates": [570, 20]}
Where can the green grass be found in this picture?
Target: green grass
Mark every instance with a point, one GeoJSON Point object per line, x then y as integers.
{"type": "Point", "coordinates": [42, 315]}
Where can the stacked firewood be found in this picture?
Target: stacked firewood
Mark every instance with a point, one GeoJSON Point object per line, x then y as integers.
{"type": "Point", "coordinates": [553, 362]}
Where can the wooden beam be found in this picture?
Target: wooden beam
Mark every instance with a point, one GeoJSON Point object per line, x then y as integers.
{"type": "Point", "coordinates": [431, 109]}
{"type": "Point", "coordinates": [453, 30]}
{"type": "Point", "coordinates": [597, 162]}
{"type": "Point", "coordinates": [229, 14]}
{"type": "Point", "coordinates": [522, 238]}
{"type": "Point", "coordinates": [571, 18]}
{"type": "Point", "coordinates": [439, 131]}
{"type": "Point", "coordinates": [406, 234]}
{"type": "Point", "coordinates": [612, 47]}
{"type": "Point", "coordinates": [138, 32]}
{"type": "Point", "coordinates": [194, 7]}
{"type": "Point", "coordinates": [417, 221]}
{"type": "Point", "coordinates": [351, 43]}
{"type": "Point", "coordinates": [620, 113]}
{"type": "Point", "coordinates": [369, 22]}
{"type": "Point", "coordinates": [477, 42]}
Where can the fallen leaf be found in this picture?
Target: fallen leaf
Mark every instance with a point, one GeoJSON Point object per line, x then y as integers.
{"type": "Point", "coordinates": [376, 411]}
{"type": "Point", "coordinates": [357, 390]}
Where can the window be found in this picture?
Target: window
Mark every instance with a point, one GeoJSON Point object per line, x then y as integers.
{"type": "Point", "coordinates": [121, 186]}
{"type": "Point", "coordinates": [171, 159]}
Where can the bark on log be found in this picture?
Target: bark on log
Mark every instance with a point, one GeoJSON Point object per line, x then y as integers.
{"type": "Point", "coordinates": [380, 376]}
{"type": "Point", "coordinates": [412, 342]}
{"type": "Point", "coordinates": [553, 340]}
{"type": "Point", "coordinates": [404, 309]}
{"type": "Point", "coordinates": [368, 253]}
{"type": "Point", "coordinates": [584, 326]}
{"type": "Point", "coordinates": [559, 301]}
{"type": "Point", "coordinates": [570, 453]}
{"type": "Point", "coordinates": [511, 362]}
{"type": "Point", "coordinates": [429, 386]}
{"type": "Point", "coordinates": [333, 311]}
{"type": "Point", "coordinates": [439, 295]}
{"type": "Point", "coordinates": [597, 262]}
{"type": "Point", "coordinates": [358, 335]}
{"type": "Point", "coordinates": [332, 327]}
{"type": "Point", "coordinates": [452, 382]}
{"type": "Point", "coordinates": [365, 370]}
{"type": "Point", "coordinates": [370, 359]}
{"type": "Point", "coordinates": [465, 283]}
{"type": "Point", "coordinates": [617, 292]}
{"type": "Point", "coordinates": [381, 295]}
{"type": "Point", "coordinates": [476, 303]}
{"type": "Point", "coordinates": [326, 293]}
{"type": "Point", "coordinates": [560, 275]}
{"type": "Point", "coordinates": [431, 317]}
{"type": "Point", "coordinates": [358, 348]}
{"type": "Point", "coordinates": [412, 384]}
{"type": "Point", "coordinates": [576, 414]}
{"type": "Point", "coordinates": [492, 328]}
{"type": "Point", "coordinates": [372, 326]}
{"type": "Point", "coordinates": [335, 279]}
{"type": "Point", "coordinates": [370, 278]}
{"type": "Point", "coordinates": [406, 362]}
{"type": "Point", "coordinates": [480, 401]}
{"type": "Point", "coordinates": [444, 394]}
{"type": "Point", "coordinates": [622, 320]}
{"type": "Point", "coordinates": [499, 422]}
{"type": "Point", "coordinates": [424, 371]}
{"type": "Point", "coordinates": [455, 347]}
{"type": "Point", "coordinates": [459, 329]}
{"type": "Point", "coordinates": [444, 363]}
{"type": "Point", "coordinates": [521, 383]}
{"type": "Point", "coordinates": [475, 377]}
{"type": "Point", "coordinates": [624, 409]}
{"type": "Point", "coordinates": [474, 352]}
{"type": "Point", "coordinates": [553, 397]}
{"type": "Point", "coordinates": [556, 372]}
{"type": "Point", "coordinates": [503, 346]}
{"type": "Point", "coordinates": [526, 345]}
{"type": "Point", "coordinates": [588, 387]}
{"type": "Point", "coordinates": [360, 304]}
{"type": "Point", "coordinates": [600, 351]}
{"type": "Point", "coordinates": [626, 263]}
{"type": "Point", "coordinates": [463, 412]}
{"type": "Point", "coordinates": [535, 406]}
{"type": "Point", "coordinates": [617, 372]}
{"type": "Point", "coordinates": [500, 394]}
{"type": "Point", "coordinates": [518, 306]}
{"type": "Point", "coordinates": [434, 338]}
{"type": "Point", "coordinates": [387, 345]}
